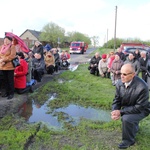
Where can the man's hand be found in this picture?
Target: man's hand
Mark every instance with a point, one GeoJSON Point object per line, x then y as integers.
{"type": "Point", "coordinates": [115, 115]}
{"type": "Point", "coordinates": [102, 75]}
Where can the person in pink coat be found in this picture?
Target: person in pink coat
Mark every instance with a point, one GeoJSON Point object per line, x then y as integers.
{"type": "Point", "coordinates": [20, 76]}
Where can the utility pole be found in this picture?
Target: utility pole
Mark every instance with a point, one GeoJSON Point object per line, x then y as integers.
{"type": "Point", "coordinates": [107, 39]}
{"type": "Point", "coordinates": [115, 29]}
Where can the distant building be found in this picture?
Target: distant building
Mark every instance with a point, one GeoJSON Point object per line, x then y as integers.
{"type": "Point", "coordinates": [30, 36]}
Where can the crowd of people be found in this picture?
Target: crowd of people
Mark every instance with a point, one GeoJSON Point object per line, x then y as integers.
{"type": "Point", "coordinates": [109, 65]}
{"type": "Point", "coordinates": [33, 65]}
{"type": "Point", "coordinates": [131, 101]}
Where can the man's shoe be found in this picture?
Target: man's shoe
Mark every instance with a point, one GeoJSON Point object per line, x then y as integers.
{"type": "Point", "coordinates": [125, 145]}
{"type": "Point", "coordinates": [5, 95]}
{"type": "Point", "coordinates": [10, 96]}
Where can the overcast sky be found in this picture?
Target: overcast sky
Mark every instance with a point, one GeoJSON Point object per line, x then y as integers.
{"type": "Point", "coordinates": [91, 17]}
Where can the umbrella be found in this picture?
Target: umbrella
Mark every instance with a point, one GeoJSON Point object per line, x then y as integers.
{"type": "Point", "coordinates": [22, 44]}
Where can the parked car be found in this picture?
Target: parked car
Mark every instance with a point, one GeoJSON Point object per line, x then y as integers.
{"type": "Point", "coordinates": [123, 46]}
{"type": "Point", "coordinates": [131, 50]}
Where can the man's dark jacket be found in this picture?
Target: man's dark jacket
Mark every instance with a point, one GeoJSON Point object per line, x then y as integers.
{"type": "Point", "coordinates": [133, 99]}
{"type": "Point", "coordinates": [95, 60]}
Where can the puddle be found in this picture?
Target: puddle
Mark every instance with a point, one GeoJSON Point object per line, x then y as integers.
{"type": "Point", "coordinates": [73, 67]}
{"type": "Point", "coordinates": [34, 113]}
{"type": "Point", "coordinates": [78, 112]}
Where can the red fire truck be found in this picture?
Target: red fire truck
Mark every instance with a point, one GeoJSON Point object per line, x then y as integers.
{"type": "Point", "coordinates": [78, 47]}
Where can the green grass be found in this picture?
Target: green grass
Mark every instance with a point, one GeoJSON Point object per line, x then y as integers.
{"type": "Point", "coordinates": [79, 87]}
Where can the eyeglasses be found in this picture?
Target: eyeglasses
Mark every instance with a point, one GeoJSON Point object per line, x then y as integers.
{"type": "Point", "coordinates": [125, 74]}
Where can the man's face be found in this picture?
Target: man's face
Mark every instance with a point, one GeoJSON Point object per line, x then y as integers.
{"type": "Point", "coordinates": [126, 75]}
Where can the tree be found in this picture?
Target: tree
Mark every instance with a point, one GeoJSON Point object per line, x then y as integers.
{"type": "Point", "coordinates": [51, 32]}
{"type": "Point", "coordinates": [77, 36]}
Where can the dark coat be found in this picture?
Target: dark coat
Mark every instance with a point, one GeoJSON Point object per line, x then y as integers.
{"type": "Point", "coordinates": [57, 57]}
{"type": "Point", "coordinates": [148, 73]}
{"type": "Point", "coordinates": [95, 61]}
{"type": "Point", "coordinates": [38, 64]}
{"type": "Point", "coordinates": [143, 64]}
{"type": "Point", "coordinates": [132, 100]}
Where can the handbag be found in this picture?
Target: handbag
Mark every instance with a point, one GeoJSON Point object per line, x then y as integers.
{"type": "Point", "coordinates": [16, 62]}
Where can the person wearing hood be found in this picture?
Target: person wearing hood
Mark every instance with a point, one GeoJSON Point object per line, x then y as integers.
{"type": "Point", "coordinates": [7, 54]}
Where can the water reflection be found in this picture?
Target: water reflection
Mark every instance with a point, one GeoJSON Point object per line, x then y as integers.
{"type": "Point", "coordinates": [78, 112]}
{"type": "Point", "coordinates": [40, 114]}
{"type": "Point", "coordinates": [34, 113]}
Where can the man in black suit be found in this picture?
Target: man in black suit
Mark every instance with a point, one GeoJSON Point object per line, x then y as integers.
{"type": "Point", "coordinates": [131, 104]}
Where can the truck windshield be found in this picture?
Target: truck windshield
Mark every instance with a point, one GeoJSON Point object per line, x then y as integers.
{"type": "Point", "coordinates": [75, 44]}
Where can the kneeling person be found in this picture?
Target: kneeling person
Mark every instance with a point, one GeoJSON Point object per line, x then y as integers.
{"type": "Point", "coordinates": [131, 103]}
{"type": "Point", "coordinates": [20, 73]}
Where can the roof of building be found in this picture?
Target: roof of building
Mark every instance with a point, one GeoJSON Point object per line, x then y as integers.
{"type": "Point", "coordinates": [33, 32]}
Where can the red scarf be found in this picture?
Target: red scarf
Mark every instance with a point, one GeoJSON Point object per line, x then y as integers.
{"type": "Point", "coordinates": [5, 48]}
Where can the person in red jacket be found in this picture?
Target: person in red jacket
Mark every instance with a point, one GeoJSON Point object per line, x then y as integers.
{"type": "Point", "coordinates": [20, 76]}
